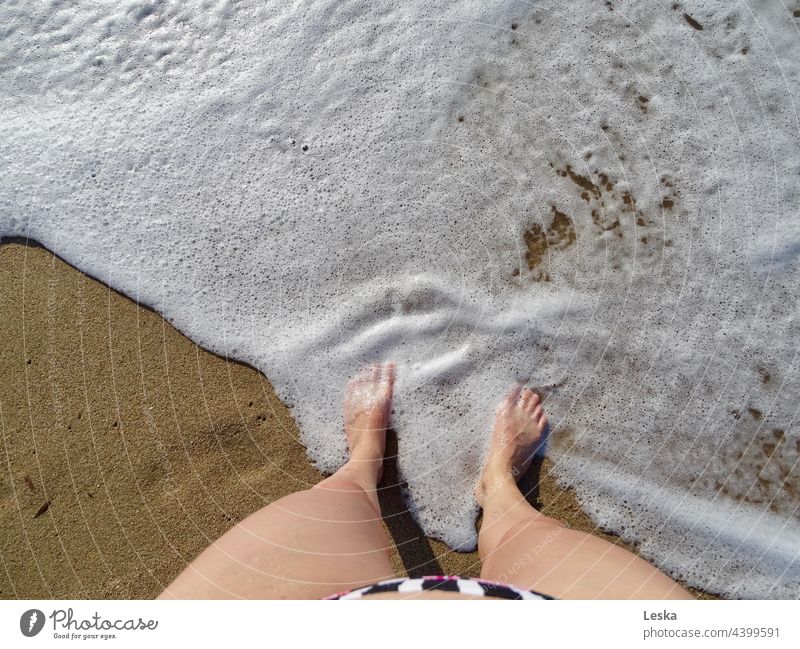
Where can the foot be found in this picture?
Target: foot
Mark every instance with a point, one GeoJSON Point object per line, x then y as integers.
{"type": "Point", "coordinates": [518, 430]}
{"type": "Point", "coordinates": [366, 411]}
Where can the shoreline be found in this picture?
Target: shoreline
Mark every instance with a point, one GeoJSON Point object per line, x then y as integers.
{"type": "Point", "coordinates": [129, 448]}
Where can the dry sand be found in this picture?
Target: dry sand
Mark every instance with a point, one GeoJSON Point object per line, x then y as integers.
{"type": "Point", "coordinates": [126, 448]}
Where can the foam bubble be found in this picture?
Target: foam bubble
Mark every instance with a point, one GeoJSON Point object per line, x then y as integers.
{"type": "Point", "coordinates": [601, 201]}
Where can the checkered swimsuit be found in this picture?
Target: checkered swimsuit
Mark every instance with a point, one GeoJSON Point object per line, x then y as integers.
{"type": "Point", "coordinates": [477, 587]}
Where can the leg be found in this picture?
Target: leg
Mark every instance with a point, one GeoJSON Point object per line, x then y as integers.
{"type": "Point", "coordinates": [316, 542]}
{"type": "Point", "coordinates": [519, 545]}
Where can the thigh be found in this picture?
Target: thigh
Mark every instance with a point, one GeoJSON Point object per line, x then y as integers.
{"type": "Point", "coordinates": [544, 556]}
{"type": "Point", "coordinates": [306, 545]}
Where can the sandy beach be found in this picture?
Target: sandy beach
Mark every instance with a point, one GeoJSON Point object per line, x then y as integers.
{"type": "Point", "coordinates": [127, 448]}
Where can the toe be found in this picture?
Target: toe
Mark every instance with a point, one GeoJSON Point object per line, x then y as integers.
{"type": "Point", "coordinates": [509, 400]}
{"type": "Point", "coordinates": [537, 413]}
{"type": "Point", "coordinates": [391, 371]}
{"type": "Point", "coordinates": [531, 399]}
{"type": "Point", "coordinates": [387, 371]}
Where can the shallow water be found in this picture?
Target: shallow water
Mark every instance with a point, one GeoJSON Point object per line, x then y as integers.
{"type": "Point", "coordinates": [601, 202]}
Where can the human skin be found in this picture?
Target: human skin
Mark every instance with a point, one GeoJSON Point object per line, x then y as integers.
{"type": "Point", "coordinates": [330, 539]}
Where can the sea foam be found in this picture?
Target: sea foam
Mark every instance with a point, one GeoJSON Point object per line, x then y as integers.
{"type": "Point", "coordinates": [597, 199]}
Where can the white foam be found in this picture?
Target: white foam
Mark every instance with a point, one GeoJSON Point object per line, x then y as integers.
{"type": "Point", "coordinates": [160, 147]}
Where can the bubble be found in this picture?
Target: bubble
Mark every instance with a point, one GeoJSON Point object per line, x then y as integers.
{"type": "Point", "coordinates": [610, 222]}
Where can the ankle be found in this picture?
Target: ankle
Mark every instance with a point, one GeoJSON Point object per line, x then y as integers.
{"type": "Point", "coordinates": [497, 478]}
{"type": "Point", "coordinates": [500, 466]}
{"type": "Point", "coordinates": [367, 451]}
{"type": "Point", "coordinates": [366, 469]}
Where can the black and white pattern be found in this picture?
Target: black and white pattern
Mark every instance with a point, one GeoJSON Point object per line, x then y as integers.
{"type": "Point", "coordinates": [476, 587]}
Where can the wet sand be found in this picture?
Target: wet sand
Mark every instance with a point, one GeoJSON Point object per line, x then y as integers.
{"type": "Point", "coordinates": [126, 448]}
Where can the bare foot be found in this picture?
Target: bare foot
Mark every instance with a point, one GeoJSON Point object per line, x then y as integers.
{"type": "Point", "coordinates": [367, 404]}
{"type": "Point", "coordinates": [517, 432]}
